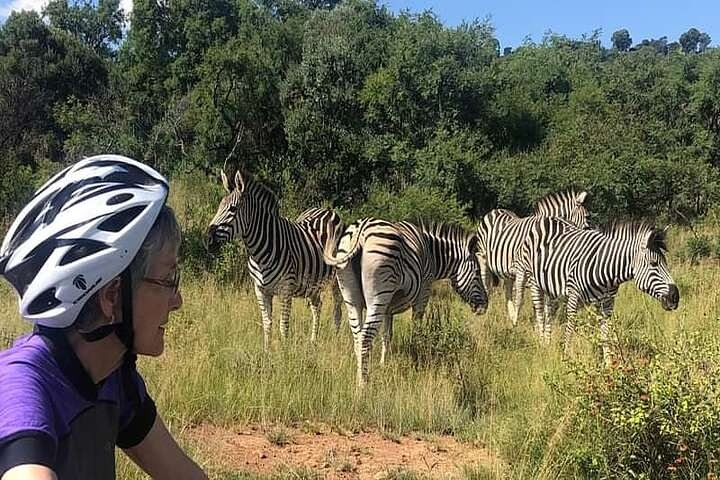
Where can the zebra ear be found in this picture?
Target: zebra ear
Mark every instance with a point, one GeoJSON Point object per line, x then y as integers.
{"type": "Point", "coordinates": [580, 197]}
{"type": "Point", "coordinates": [239, 182]}
{"type": "Point", "coordinates": [225, 182]}
{"type": "Point", "coordinates": [656, 239]}
{"type": "Point", "coordinates": [649, 238]}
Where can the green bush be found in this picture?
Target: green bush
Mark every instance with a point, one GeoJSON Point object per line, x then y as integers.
{"type": "Point", "coordinates": [698, 247]}
{"type": "Point", "coordinates": [657, 418]}
{"type": "Point", "coordinates": [439, 338]}
{"type": "Point", "coordinates": [442, 338]}
{"type": "Point", "coordinates": [411, 204]}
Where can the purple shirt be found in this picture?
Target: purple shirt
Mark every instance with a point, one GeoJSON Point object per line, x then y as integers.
{"type": "Point", "coordinates": [51, 413]}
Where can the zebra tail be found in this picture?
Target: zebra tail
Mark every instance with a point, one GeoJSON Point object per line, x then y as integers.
{"type": "Point", "coordinates": [330, 248]}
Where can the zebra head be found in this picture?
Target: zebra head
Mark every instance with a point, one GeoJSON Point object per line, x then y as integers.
{"type": "Point", "coordinates": [226, 223]}
{"type": "Point", "coordinates": [568, 205]}
{"type": "Point", "coordinates": [467, 280]}
{"type": "Point", "coordinates": [651, 271]}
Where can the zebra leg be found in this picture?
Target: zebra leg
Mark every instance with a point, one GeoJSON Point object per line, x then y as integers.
{"type": "Point", "coordinates": [538, 305]}
{"type": "Point", "coordinates": [485, 274]}
{"type": "Point", "coordinates": [376, 316]}
{"type": "Point", "coordinates": [512, 312]}
{"type": "Point", "coordinates": [606, 309]}
{"type": "Point", "coordinates": [573, 302]}
{"type": "Point", "coordinates": [337, 304]}
{"type": "Point", "coordinates": [286, 304]}
{"type": "Point", "coordinates": [550, 309]}
{"type": "Point", "coordinates": [315, 308]}
{"type": "Point", "coordinates": [519, 287]}
{"type": "Point", "coordinates": [386, 338]}
{"type": "Point", "coordinates": [265, 302]}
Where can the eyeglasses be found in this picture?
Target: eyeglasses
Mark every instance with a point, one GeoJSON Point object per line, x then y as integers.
{"type": "Point", "coordinates": [174, 284]}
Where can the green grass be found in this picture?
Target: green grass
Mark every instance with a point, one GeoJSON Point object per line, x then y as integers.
{"type": "Point", "coordinates": [214, 370]}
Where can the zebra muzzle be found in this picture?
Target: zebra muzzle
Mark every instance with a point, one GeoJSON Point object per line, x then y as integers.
{"type": "Point", "coordinates": [671, 300]}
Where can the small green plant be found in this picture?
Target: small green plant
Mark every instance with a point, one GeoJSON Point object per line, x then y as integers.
{"type": "Point", "coordinates": [278, 436]}
{"type": "Point", "coordinates": [392, 436]}
{"type": "Point", "coordinates": [301, 473]}
{"type": "Point", "coordinates": [477, 473]}
{"type": "Point", "coordinates": [346, 466]}
{"type": "Point", "coordinates": [402, 473]}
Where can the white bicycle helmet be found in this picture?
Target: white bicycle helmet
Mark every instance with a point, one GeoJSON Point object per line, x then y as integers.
{"type": "Point", "coordinates": [82, 228]}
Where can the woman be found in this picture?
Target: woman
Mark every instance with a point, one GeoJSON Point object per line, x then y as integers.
{"type": "Point", "coordinates": [93, 259]}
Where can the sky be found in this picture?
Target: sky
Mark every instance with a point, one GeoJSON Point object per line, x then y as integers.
{"type": "Point", "coordinates": [514, 20]}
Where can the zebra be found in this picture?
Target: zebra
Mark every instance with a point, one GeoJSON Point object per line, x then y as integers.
{"type": "Point", "coordinates": [588, 266]}
{"type": "Point", "coordinates": [388, 267]}
{"type": "Point", "coordinates": [285, 257]}
{"type": "Point", "coordinates": [502, 232]}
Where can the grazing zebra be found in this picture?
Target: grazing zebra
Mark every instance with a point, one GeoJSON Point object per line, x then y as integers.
{"type": "Point", "coordinates": [502, 232]}
{"type": "Point", "coordinates": [285, 258]}
{"type": "Point", "coordinates": [386, 268]}
{"type": "Point", "coordinates": [588, 266]}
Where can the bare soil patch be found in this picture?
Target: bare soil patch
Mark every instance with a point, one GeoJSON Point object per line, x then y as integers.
{"type": "Point", "coordinates": [336, 455]}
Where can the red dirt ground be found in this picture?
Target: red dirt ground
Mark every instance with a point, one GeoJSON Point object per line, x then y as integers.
{"type": "Point", "coordinates": [334, 455]}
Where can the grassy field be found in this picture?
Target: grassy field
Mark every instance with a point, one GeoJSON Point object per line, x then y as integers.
{"type": "Point", "coordinates": [475, 378]}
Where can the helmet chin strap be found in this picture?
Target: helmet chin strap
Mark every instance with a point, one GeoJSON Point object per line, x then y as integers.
{"type": "Point", "coordinates": [127, 336]}
{"type": "Point", "coordinates": [124, 328]}
{"type": "Point", "coordinates": [124, 331]}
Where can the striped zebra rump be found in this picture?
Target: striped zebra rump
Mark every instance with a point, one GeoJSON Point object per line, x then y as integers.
{"type": "Point", "coordinates": [385, 268]}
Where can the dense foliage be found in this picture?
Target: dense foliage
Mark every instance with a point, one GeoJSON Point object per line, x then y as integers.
{"type": "Point", "coordinates": [346, 103]}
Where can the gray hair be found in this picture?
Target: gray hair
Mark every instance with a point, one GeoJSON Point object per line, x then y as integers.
{"type": "Point", "coordinates": [165, 231]}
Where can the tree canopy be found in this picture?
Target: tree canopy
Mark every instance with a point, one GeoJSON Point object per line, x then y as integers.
{"type": "Point", "coordinates": [346, 103]}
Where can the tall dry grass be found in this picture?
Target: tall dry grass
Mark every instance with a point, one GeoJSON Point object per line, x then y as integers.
{"type": "Point", "coordinates": [497, 390]}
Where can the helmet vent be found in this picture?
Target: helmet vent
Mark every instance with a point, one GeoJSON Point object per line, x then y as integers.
{"type": "Point", "coordinates": [43, 302]}
{"type": "Point", "coordinates": [84, 248]}
{"type": "Point", "coordinates": [120, 220]}
{"type": "Point", "coordinates": [23, 274]}
{"type": "Point", "coordinates": [120, 198]}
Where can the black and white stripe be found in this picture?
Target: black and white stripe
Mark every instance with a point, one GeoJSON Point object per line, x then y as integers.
{"type": "Point", "coordinates": [285, 257]}
{"type": "Point", "coordinates": [588, 266]}
{"type": "Point", "coordinates": [386, 268]}
{"type": "Point", "coordinates": [502, 232]}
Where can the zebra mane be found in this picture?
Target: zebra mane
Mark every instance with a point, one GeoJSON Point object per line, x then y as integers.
{"type": "Point", "coordinates": [562, 197]}
{"type": "Point", "coordinates": [262, 191]}
{"type": "Point", "coordinates": [443, 230]}
{"type": "Point", "coordinates": [634, 228]}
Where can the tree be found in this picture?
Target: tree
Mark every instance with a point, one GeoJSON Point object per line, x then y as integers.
{"type": "Point", "coordinates": [38, 68]}
{"type": "Point", "coordinates": [694, 41]}
{"type": "Point", "coordinates": [100, 28]}
{"type": "Point", "coordinates": [660, 45]}
{"type": "Point", "coordinates": [703, 42]}
{"type": "Point", "coordinates": [621, 40]}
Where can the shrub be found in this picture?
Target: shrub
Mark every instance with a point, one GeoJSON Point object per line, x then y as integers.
{"type": "Point", "coordinates": [656, 418]}
{"type": "Point", "coordinates": [697, 247]}
{"type": "Point", "coordinates": [439, 338]}
{"type": "Point", "coordinates": [443, 339]}
{"type": "Point", "coordinates": [413, 203]}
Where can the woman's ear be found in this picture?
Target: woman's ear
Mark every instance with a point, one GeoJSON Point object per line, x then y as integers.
{"type": "Point", "coordinates": [109, 298]}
